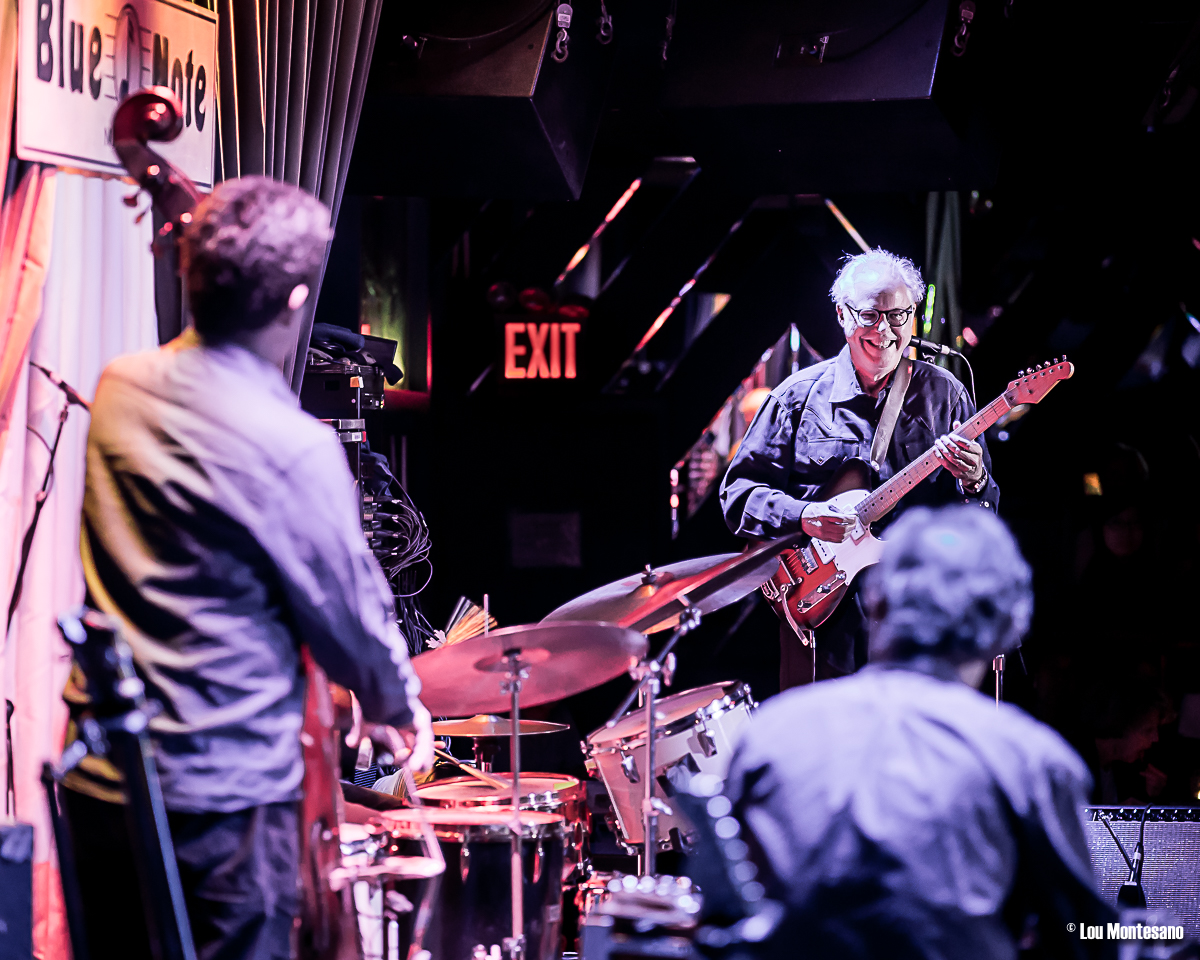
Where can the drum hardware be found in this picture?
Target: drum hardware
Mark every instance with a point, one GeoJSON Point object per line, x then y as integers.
{"type": "Point", "coordinates": [648, 673]}
{"type": "Point", "coordinates": [544, 792]}
{"type": "Point", "coordinates": [477, 774]}
{"type": "Point", "coordinates": [364, 875]}
{"type": "Point", "coordinates": [695, 731]}
{"type": "Point", "coordinates": [570, 657]}
{"type": "Point", "coordinates": [473, 909]}
{"type": "Point", "coordinates": [653, 599]}
{"type": "Point", "coordinates": [516, 672]}
{"type": "Point", "coordinates": [484, 729]}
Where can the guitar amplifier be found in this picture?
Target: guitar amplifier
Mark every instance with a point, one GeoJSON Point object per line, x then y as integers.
{"type": "Point", "coordinates": [1171, 856]}
{"type": "Point", "coordinates": [16, 891]}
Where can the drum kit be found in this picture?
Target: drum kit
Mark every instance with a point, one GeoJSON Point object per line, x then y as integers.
{"type": "Point", "coordinates": [489, 854]}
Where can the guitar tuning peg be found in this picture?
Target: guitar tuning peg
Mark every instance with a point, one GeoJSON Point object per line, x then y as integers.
{"type": "Point", "coordinates": [1028, 371]}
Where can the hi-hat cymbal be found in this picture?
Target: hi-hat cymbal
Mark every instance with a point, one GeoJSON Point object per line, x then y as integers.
{"type": "Point", "coordinates": [563, 659]}
{"type": "Point", "coordinates": [651, 600]}
{"type": "Point", "coordinates": [486, 725]}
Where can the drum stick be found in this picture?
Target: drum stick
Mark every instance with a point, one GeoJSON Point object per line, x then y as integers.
{"type": "Point", "coordinates": [478, 774]}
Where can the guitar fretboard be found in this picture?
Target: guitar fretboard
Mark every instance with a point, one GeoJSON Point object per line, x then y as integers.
{"type": "Point", "coordinates": [892, 492]}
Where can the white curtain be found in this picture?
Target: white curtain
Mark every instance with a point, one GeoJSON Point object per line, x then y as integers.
{"type": "Point", "coordinates": [98, 302]}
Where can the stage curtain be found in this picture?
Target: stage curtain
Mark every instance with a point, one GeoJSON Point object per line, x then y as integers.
{"type": "Point", "coordinates": [292, 77]}
{"type": "Point", "coordinates": [943, 268]}
{"type": "Point", "coordinates": [97, 303]}
{"type": "Point", "coordinates": [943, 265]}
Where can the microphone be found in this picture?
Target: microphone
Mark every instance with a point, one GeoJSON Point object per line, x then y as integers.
{"type": "Point", "coordinates": [73, 395]}
{"type": "Point", "coordinates": [928, 346]}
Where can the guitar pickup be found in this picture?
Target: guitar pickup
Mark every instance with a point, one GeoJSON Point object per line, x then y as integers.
{"type": "Point", "coordinates": [831, 583]}
{"type": "Point", "coordinates": [827, 587]}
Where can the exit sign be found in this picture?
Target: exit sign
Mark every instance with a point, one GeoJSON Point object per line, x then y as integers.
{"type": "Point", "coordinates": [540, 350]}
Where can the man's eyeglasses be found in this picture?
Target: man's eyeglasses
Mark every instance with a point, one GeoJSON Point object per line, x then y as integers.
{"type": "Point", "coordinates": [871, 317]}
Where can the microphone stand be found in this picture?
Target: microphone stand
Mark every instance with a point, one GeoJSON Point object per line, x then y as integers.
{"type": "Point", "coordinates": [647, 674]}
{"type": "Point", "coordinates": [72, 396]}
{"type": "Point", "coordinates": [38, 502]}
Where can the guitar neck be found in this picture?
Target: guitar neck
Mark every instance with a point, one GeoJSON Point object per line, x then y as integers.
{"type": "Point", "coordinates": [891, 493]}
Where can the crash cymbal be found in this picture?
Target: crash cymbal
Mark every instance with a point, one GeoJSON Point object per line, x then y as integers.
{"type": "Point", "coordinates": [563, 658]}
{"type": "Point", "coordinates": [486, 725]}
{"type": "Point", "coordinates": [651, 600]}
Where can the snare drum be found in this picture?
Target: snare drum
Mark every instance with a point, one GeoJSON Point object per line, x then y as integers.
{"type": "Point", "coordinates": [696, 729]}
{"type": "Point", "coordinates": [474, 905]}
{"type": "Point", "coordinates": [545, 792]}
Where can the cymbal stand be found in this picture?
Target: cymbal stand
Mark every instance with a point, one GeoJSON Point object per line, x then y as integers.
{"type": "Point", "coordinates": [516, 672]}
{"type": "Point", "coordinates": [998, 668]}
{"type": "Point", "coordinates": [649, 674]}
{"type": "Point", "coordinates": [434, 849]}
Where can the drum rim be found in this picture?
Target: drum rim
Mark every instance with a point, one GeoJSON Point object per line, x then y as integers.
{"type": "Point", "coordinates": [535, 825]}
{"type": "Point", "coordinates": [558, 796]}
{"type": "Point", "coordinates": [736, 692]}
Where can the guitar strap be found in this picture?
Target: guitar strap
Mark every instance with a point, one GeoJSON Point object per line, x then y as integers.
{"type": "Point", "coordinates": [891, 413]}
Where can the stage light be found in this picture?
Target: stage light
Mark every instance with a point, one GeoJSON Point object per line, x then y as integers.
{"type": "Point", "coordinates": [608, 218]}
{"type": "Point", "coordinates": [841, 218]}
{"type": "Point", "coordinates": [1091, 485]}
{"type": "Point", "coordinates": [930, 297]}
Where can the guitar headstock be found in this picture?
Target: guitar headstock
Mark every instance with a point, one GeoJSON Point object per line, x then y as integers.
{"type": "Point", "coordinates": [1036, 382]}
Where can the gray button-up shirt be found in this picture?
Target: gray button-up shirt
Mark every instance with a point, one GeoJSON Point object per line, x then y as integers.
{"type": "Point", "coordinates": [819, 418]}
{"type": "Point", "coordinates": [900, 814]}
{"type": "Point", "coordinates": [220, 524]}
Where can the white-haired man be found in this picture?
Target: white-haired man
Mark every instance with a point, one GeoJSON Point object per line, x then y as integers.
{"type": "Point", "coordinates": [919, 820]}
{"type": "Point", "coordinates": [827, 414]}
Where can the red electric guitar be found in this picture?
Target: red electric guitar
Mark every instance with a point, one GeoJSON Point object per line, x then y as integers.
{"type": "Point", "coordinates": [812, 580]}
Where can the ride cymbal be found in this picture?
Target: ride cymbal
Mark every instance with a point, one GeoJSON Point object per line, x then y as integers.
{"type": "Point", "coordinates": [563, 658]}
{"type": "Point", "coordinates": [652, 600]}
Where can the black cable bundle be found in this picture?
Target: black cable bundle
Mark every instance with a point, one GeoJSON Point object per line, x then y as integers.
{"type": "Point", "coordinates": [399, 538]}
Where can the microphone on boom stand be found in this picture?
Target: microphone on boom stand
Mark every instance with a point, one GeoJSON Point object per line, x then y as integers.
{"type": "Point", "coordinates": [929, 348]}
{"type": "Point", "coordinates": [73, 395]}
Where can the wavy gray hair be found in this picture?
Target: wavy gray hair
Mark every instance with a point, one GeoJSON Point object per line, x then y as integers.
{"type": "Point", "coordinates": [952, 586]}
{"type": "Point", "coordinates": [866, 275]}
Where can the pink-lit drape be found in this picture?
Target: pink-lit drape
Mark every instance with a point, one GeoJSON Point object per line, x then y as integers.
{"type": "Point", "coordinates": [97, 303]}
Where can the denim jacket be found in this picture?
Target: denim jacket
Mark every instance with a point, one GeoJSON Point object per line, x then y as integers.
{"type": "Point", "coordinates": [819, 418]}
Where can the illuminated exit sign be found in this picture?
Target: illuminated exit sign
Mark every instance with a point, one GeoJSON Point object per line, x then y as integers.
{"type": "Point", "coordinates": [541, 350]}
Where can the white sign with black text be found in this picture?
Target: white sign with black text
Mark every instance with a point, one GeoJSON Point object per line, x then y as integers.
{"type": "Point", "coordinates": [79, 58]}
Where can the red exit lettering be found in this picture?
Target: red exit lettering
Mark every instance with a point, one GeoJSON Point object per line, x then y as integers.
{"type": "Point", "coordinates": [550, 349]}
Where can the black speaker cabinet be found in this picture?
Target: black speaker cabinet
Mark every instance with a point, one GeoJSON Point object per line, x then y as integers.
{"type": "Point", "coordinates": [465, 99]}
{"type": "Point", "coordinates": [16, 891]}
{"type": "Point", "coordinates": [829, 95]}
{"type": "Point", "coordinates": [1171, 868]}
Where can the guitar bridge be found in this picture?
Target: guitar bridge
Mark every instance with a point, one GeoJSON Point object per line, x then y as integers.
{"type": "Point", "coordinates": [807, 560]}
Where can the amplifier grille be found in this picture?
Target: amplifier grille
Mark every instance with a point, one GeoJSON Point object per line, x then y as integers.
{"type": "Point", "coordinates": [1171, 868]}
